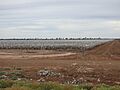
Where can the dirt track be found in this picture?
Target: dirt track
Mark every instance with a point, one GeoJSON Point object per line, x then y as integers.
{"type": "Point", "coordinates": [99, 65]}
{"type": "Point", "coordinates": [12, 55]}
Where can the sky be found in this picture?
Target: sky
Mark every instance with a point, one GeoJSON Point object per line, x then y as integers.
{"type": "Point", "coordinates": [59, 18]}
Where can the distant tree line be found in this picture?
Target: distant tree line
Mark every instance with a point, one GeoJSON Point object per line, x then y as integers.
{"type": "Point", "coordinates": [85, 38]}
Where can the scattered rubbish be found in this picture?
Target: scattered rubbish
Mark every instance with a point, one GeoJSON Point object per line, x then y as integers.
{"type": "Point", "coordinates": [48, 73]}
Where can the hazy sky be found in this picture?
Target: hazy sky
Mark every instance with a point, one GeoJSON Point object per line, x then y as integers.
{"type": "Point", "coordinates": [59, 18]}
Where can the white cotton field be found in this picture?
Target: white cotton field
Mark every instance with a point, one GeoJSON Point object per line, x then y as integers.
{"type": "Point", "coordinates": [49, 43]}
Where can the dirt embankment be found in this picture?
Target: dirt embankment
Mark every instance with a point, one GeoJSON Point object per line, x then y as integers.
{"type": "Point", "coordinates": [111, 48]}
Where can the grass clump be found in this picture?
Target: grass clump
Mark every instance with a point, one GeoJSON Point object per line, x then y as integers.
{"type": "Point", "coordinates": [84, 87]}
{"type": "Point", "coordinates": [18, 88]}
{"type": "Point", "coordinates": [2, 73]}
{"type": "Point", "coordinates": [50, 86]}
{"type": "Point", "coordinates": [106, 87]}
{"type": "Point", "coordinates": [5, 84]}
{"type": "Point", "coordinates": [15, 75]}
{"type": "Point", "coordinates": [23, 85]}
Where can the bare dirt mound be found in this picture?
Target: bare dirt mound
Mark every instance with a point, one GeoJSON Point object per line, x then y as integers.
{"type": "Point", "coordinates": [109, 48]}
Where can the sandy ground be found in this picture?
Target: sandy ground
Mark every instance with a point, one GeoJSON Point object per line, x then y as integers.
{"type": "Point", "coordinates": [12, 55]}
{"type": "Point", "coordinates": [99, 65]}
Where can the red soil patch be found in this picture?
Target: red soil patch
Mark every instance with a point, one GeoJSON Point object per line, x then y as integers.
{"type": "Point", "coordinates": [111, 48]}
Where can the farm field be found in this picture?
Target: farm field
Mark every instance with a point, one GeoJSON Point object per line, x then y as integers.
{"type": "Point", "coordinates": [49, 44]}
{"type": "Point", "coordinates": [97, 65]}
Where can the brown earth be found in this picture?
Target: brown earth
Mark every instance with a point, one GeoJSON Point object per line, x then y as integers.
{"type": "Point", "coordinates": [109, 48]}
{"type": "Point", "coordinates": [101, 64]}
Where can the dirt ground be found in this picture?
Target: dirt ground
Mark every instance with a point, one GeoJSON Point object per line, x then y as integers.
{"type": "Point", "coordinates": [98, 65]}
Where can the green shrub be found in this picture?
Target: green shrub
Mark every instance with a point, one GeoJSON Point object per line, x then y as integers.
{"type": "Point", "coordinates": [4, 69]}
{"type": "Point", "coordinates": [32, 85]}
{"type": "Point", "coordinates": [50, 86]}
{"type": "Point", "coordinates": [115, 88]}
{"type": "Point", "coordinates": [5, 84]}
{"type": "Point", "coordinates": [18, 88]}
{"type": "Point", "coordinates": [84, 87]}
{"type": "Point", "coordinates": [46, 87]}
{"type": "Point", "coordinates": [1, 77]}
{"type": "Point", "coordinates": [106, 87]}
{"type": "Point", "coordinates": [24, 85]}
{"type": "Point", "coordinates": [7, 68]}
{"type": "Point", "coordinates": [2, 73]}
{"type": "Point", "coordinates": [14, 77]}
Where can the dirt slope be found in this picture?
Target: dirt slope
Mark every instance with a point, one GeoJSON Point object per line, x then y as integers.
{"type": "Point", "coordinates": [109, 48]}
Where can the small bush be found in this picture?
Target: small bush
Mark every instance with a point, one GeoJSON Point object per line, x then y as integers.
{"type": "Point", "coordinates": [18, 88]}
{"type": "Point", "coordinates": [4, 69]}
{"type": "Point", "coordinates": [5, 84]}
{"type": "Point", "coordinates": [84, 87]}
{"type": "Point", "coordinates": [106, 87]}
{"type": "Point", "coordinates": [2, 73]}
{"type": "Point", "coordinates": [1, 77]}
{"type": "Point", "coordinates": [46, 87]}
{"type": "Point", "coordinates": [7, 68]}
{"type": "Point", "coordinates": [23, 85]}
{"type": "Point", "coordinates": [13, 77]}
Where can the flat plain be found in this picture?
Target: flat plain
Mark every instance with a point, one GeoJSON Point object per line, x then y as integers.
{"type": "Point", "coordinates": [99, 64]}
